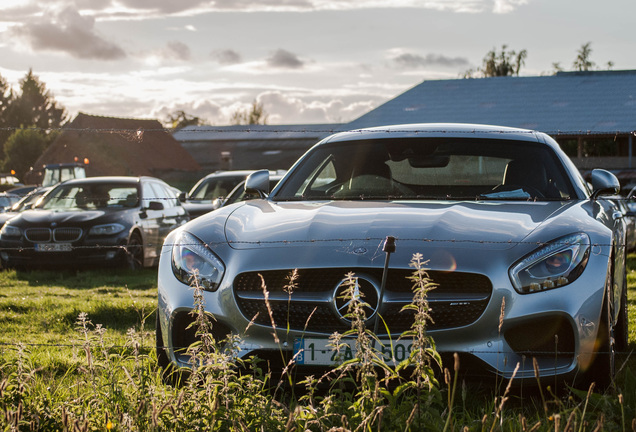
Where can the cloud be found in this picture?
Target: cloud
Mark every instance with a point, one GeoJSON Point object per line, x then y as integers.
{"type": "Point", "coordinates": [408, 60]}
{"type": "Point", "coordinates": [226, 57]}
{"type": "Point", "coordinates": [66, 31]}
{"type": "Point", "coordinates": [24, 10]}
{"type": "Point", "coordinates": [282, 59]}
{"type": "Point", "coordinates": [176, 51]}
{"type": "Point", "coordinates": [507, 6]}
{"type": "Point", "coordinates": [288, 108]}
{"type": "Point", "coordinates": [172, 52]}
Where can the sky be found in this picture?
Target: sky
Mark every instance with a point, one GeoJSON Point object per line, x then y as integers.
{"type": "Point", "coordinates": [305, 61]}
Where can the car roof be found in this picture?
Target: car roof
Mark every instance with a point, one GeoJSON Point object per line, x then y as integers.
{"type": "Point", "coordinates": [109, 179]}
{"type": "Point", "coordinates": [236, 173]}
{"type": "Point", "coordinates": [436, 130]}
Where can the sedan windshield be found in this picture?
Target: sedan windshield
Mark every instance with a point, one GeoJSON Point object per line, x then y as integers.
{"type": "Point", "coordinates": [429, 168]}
{"type": "Point", "coordinates": [91, 197]}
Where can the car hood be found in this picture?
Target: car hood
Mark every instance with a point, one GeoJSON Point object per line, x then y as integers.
{"type": "Point", "coordinates": [498, 225]}
{"type": "Point", "coordinates": [46, 217]}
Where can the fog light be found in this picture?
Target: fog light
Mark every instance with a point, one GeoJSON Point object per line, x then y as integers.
{"type": "Point", "coordinates": [110, 254]}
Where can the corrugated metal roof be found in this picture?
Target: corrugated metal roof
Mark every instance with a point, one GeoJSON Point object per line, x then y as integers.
{"type": "Point", "coordinates": [258, 132]}
{"type": "Point", "coordinates": [565, 103]}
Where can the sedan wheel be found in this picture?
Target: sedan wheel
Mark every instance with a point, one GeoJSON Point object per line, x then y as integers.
{"type": "Point", "coordinates": [135, 252]}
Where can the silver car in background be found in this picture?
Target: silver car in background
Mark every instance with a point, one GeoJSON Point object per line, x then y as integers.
{"type": "Point", "coordinates": [528, 262]}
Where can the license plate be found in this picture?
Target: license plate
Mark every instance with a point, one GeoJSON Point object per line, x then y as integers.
{"type": "Point", "coordinates": [317, 351]}
{"type": "Point", "coordinates": [53, 247]}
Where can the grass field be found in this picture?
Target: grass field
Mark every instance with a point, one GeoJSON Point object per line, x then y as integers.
{"type": "Point", "coordinates": [77, 353]}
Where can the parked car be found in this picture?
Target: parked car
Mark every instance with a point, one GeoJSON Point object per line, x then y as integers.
{"type": "Point", "coordinates": [8, 181]}
{"type": "Point", "coordinates": [94, 221]}
{"type": "Point", "coordinates": [239, 193]}
{"type": "Point", "coordinates": [25, 203]}
{"type": "Point", "coordinates": [7, 200]}
{"type": "Point", "coordinates": [202, 196]}
{"type": "Point", "coordinates": [629, 215]}
{"type": "Point", "coordinates": [23, 190]}
{"type": "Point", "coordinates": [529, 263]}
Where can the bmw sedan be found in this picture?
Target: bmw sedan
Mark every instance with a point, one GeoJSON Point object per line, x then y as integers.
{"type": "Point", "coordinates": [529, 262]}
{"type": "Point", "coordinates": [94, 221]}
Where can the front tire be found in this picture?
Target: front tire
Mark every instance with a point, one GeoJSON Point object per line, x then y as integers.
{"type": "Point", "coordinates": [135, 252]}
{"type": "Point", "coordinates": [603, 368]}
{"type": "Point", "coordinates": [621, 331]}
{"type": "Point", "coordinates": [162, 357]}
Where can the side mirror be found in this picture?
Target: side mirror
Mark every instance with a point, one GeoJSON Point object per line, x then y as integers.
{"type": "Point", "coordinates": [182, 197]}
{"type": "Point", "coordinates": [218, 203]}
{"type": "Point", "coordinates": [604, 183]}
{"type": "Point", "coordinates": [258, 183]}
{"type": "Point", "coordinates": [155, 205]}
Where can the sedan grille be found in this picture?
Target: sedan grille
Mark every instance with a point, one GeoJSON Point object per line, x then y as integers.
{"type": "Point", "coordinates": [67, 234]}
{"type": "Point", "coordinates": [38, 234]}
{"type": "Point", "coordinates": [41, 235]}
{"type": "Point", "coordinates": [458, 300]}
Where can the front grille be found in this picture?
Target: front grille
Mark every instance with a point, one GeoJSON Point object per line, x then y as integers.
{"type": "Point", "coordinates": [67, 234]}
{"type": "Point", "coordinates": [43, 235]}
{"type": "Point", "coordinates": [459, 299]}
{"type": "Point", "coordinates": [38, 234]}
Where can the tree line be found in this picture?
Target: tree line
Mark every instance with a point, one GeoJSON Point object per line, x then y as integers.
{"type": "Point", "coordinates": [509, 63]}
{"type": "Point", "coordinates": [31, 119]}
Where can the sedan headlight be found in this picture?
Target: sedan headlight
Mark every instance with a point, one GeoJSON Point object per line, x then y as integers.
{"type": "Point", "coordinates": [108, 229]}
{"type": "Point", "coordinates": [10, 231]}
{"type": "Point", "coordinates": [558, 263]}
{"type": "Point", "coordinates": [193, 263]}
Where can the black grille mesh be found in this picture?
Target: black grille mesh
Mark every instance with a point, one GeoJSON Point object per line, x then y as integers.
{"type": "Point", "coordinates": [458, 300]}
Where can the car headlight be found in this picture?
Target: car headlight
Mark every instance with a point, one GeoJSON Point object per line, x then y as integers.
{"type": "Point", "coordinates": [10, 231]}
{"type": "Point", "coordinates": [193, 263]}
{"type": "Point", "coordinates": [108, 229]}
{"type": "Point", "coordinates": [556, 264]}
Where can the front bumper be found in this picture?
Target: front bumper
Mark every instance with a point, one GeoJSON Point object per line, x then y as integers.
{"type": "Point", "coordinates": [551, 333]}
{"type": "Point", "coordinates": [102, 251]}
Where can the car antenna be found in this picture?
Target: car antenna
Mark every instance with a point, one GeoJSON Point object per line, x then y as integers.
{"type": "Point", "coordinates": [388, 248]}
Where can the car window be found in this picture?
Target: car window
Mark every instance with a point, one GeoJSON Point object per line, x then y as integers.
{"type": "Point", "coordinates": [418, 168]}
{"type": "Point", "coordinates": [90, 197]}
{"type": "Point", "coordinates": [164, 195]}
{"type": "Point", "coordinates": [215, 187]}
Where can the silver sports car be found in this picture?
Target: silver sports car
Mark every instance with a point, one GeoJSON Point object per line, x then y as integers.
{"type": "Point", "coordinates": [529, 259]}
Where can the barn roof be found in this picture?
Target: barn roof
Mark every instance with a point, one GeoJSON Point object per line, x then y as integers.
{"type": "Point", "coordinates": [568, 103]}
{"type": "Point", "coordinates": [119, 146]}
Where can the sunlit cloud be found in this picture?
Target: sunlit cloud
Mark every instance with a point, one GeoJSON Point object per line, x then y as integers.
{"type": "Point", "coordinates": [19, 10]}
{"type": "Point", "coordinates": [65, 31]}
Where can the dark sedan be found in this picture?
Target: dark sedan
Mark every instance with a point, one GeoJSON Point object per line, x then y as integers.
{"type": "Point", "coordinates": [94, 221]}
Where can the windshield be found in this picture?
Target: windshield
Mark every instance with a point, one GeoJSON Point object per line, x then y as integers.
{"type": "Point", "coordinates": [91, 196]}
{"type": "Point", "coordinates": [214, 187]}
{"type": "Point", "coordinates": [429, 168]}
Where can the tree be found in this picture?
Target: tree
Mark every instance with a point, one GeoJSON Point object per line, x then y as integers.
{"type": "Point", "coordinates": [256, 115]}
{"type": "Point", "coordinates": [23, 148]}
{"type": "Point", "coordinates": [181, 119]}
{"type": "Point", "coordinates": [582, 62]}
{"type": "Point", "coordinates": [6, 97]}
{"type": "Point", "coordinates": [505, 63]}
{"type": "Point", "coordinates": [35, 106]}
